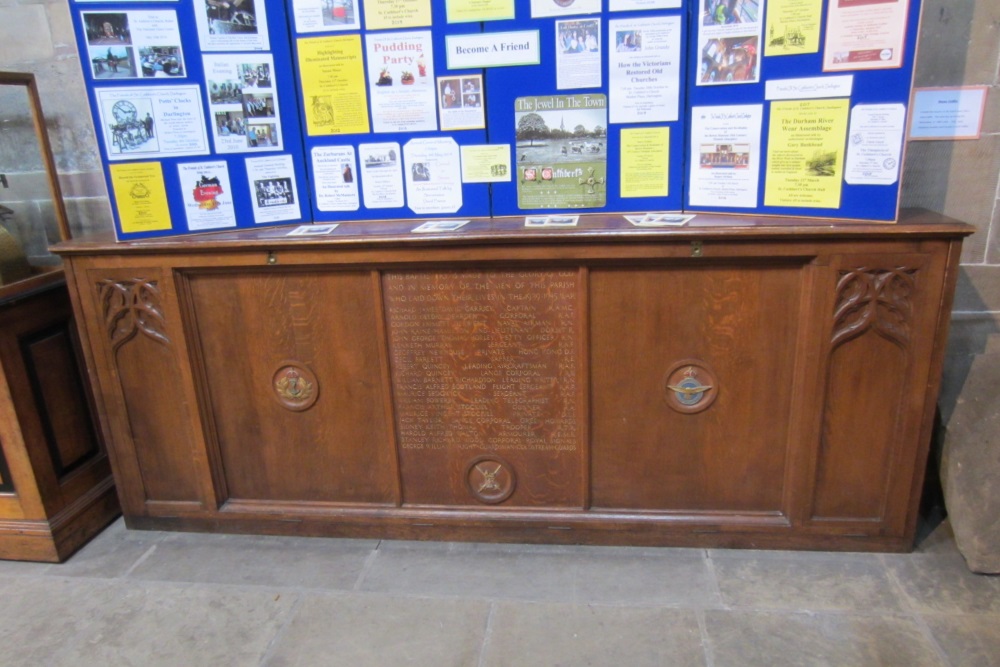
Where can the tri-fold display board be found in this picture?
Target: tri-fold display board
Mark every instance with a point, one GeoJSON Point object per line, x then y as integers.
{"type": "Point", "coordinates": [221, 114]}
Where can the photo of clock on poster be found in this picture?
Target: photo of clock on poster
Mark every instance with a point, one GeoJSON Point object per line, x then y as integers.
{"type": "Point", "coordinates": [561, 151]}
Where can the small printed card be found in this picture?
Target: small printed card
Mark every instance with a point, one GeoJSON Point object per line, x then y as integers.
{"type": "Point", "coordinates": [551, 221]}
{"type": "Point", "coordinates": [312, 230]}
{"type": "Point", "coordinates": [659, 219]}
{"type": "Point", "coordinates": [432, 226]}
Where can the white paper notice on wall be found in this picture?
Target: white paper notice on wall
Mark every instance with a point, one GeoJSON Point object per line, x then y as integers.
{"type": "Point", "coordinates": [947, 113]}
{"type": "Point", "coordinates": [874, 144]}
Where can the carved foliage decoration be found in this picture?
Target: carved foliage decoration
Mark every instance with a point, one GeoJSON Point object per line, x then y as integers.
{"type": "Point", "coordinates": [132, 306]}
{"type": "Point", "coordinates": [874, 299]}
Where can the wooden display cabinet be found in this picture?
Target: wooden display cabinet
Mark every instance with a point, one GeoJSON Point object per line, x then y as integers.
{"type": "Point", "coordinates": [740, 381]}
{"type": "Point", "coordinates": [56, 488]}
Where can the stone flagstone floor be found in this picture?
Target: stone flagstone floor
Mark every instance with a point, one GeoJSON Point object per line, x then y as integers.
{"type": "Point", "coordinates": [184, 600]}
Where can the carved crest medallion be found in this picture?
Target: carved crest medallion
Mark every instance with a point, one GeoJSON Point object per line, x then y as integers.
{"type": "Point", "coordinates": [490, 479]}
{"type": "Point", "coordinates": [295, 386]}
{"type": "Point", "coordinates": [691, 386]}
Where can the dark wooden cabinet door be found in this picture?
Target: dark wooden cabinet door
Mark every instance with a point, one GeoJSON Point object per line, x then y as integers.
{"type": "Point", "coordinates": [294, 373]}
{"type": "Point", "coordinates": [732, 327]}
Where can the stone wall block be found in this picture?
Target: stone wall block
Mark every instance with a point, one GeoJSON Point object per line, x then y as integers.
{"type": "Point", "coordinates": [970, 466]}
{"type": "Point", "coordinates": [957, 178]}
{"type": "Point", "coordinates": [24, 33]}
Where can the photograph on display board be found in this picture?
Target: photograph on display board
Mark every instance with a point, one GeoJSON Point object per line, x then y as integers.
{"type": "Point", "coordinates": [272, 181]}
{"type": "Point", "coordinates": [460, 102]}
{"type": "Point", "coordinates": [541, 8]}
{"type": "Point", "coordinates": [578, 54]}
{"type": "Point", "coordinates": [113, 62]}
{"type": "Point", "coordinates": [244, 106]}
{"type": "Point", "coordinates": [324, 15]}
{"type": "Point", "coordinates": [729, 36]}
{"type": "Point", "coordinates": [728, 12]}
{"type": "Point", "coordinates": [231, 25]}
{"type": "Point", "coordinates": [134, 44]}
{"type": "Point", "coordinates": [561, 151]}
{"type": "Point", "coordinates": [107, 28]}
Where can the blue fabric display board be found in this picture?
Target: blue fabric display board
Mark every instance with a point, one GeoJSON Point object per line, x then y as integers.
{"type": "Point", "coordinates": [802, 112]}
{"type": "Point", "coordinates": [195, 108]}
{"type": "Point", "coordinates": [223, 114]}
{"type": "Point", "coordinates": [606, 90]}
{"type": "Point", "coordinates": [385, 118]}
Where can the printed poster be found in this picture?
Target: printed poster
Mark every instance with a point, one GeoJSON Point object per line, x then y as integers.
{"type": "Point", "coordinates": [874, 145]}
{"type": "Point", "coordinates": [336, 184]}
{"type": "Point", "coordinates": [948, 113]}
{"type": "Point", "coordinates": [725, 156]}
{"type": "Point", "coordinates": [208, 197]}
{"type": "Point", "coordinates": [243, 102]}
{"type": "Point", "coordinates": [140, 196]}
{"type": "Point", "coordinates": [272, 182]}
{"type": "Point", "coordinates": [401, 80]}
{"type": "Point", "coordinates": [433, 175]}
{"type": "Point", "coordinates": [793, 27]}
{"type": "Point", "coordinates": [133, 45]}
{"type": "Point", "coordinates": [486, 163]}
{"type": "Point", "coordinates": [381, 175]}
{"type": "Point", "coordinates": [645, 162]}
{"type": "Point", "coordinates": [561, 151]}
{"type": "Point", "coordinates": [152, 121]}
{"type": "Point", "coordinates": [231, 25]}
{"type": "Point", "coordinates": [578, 54]}
{"type": "Point", "coordinates": [805, 153]}
{"type": "Point", "coordinates": [729, 35]}
{"type": "Point", "coordinates": [460, 102]}
{"type": "Point", "coordinates": [542, 8]}
{"type": "Point", "coordinates": [382, 14]}
{"type": "Point", "coordinates": [865, 34]}
{"type": "Point", "coordinates": [475, 11]}
{"type": "Point", "coordinates": [644, 69]}
{"type": "Point", "coordinates": [333, 85]}
{"type": "Point", "coordinates": [325, 15]}
{"type": "Point", "coordinates": [638, 5]}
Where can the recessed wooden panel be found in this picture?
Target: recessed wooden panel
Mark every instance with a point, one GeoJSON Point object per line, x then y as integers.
{"type": "Point", "coordinates": [866, 385]}
{"type": "Point", "coordinates": [6, 483]}
{"type": "Point", "coordinates": [60, 398]}
{"type": "Point", "coordinates": [271, 339]}
{"type": "Point", "coordinates": [486, 382]}
{"type": "Point", "coordinates": [154, 416]}
{"type": "Point", "coordinates": [740, 322]}
{"type": "Point", "coordinates": [859, 428]}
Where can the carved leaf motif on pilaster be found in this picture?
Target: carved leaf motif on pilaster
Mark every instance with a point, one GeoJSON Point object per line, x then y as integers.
{"type": "Point", "coordinates": [877, 300]}
{"type": "Point", "coordinates": [131, 307]}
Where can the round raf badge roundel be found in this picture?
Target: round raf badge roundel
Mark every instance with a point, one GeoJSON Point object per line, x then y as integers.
{"type": "Point", "coordinates": [490, 479]}
{"type": "Point", "coordinates": [295, 387]}
{"type": "Point", "coordinates": [690, 386]}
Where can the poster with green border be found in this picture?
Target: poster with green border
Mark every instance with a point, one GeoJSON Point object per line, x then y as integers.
{"type": "Point", "coordinates": [561, 151]}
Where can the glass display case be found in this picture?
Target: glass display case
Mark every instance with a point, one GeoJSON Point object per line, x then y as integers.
{"type": "Point", "coordinates": [32, 213]}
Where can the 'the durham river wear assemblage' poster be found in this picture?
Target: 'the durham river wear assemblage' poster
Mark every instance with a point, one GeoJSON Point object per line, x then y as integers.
{"type": "Point", "coordinates": [805, 153]}
{"type": "Point", "coordinates": [561, 151]}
